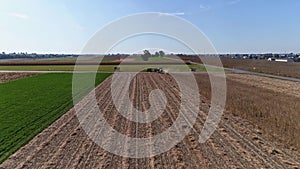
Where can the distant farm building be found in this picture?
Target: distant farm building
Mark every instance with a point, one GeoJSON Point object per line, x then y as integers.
{"type": "Point", "coordinates": [281, 59]}
{"type": "Point", "coordinates": [285, 60]}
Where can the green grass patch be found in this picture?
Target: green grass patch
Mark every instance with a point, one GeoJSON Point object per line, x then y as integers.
{"type": "Point", "coordinates": [152, 59]}
{"type": "Point", "coordinates": [201, 68]}
{"type": "Point", "coordinates": [31, 104]}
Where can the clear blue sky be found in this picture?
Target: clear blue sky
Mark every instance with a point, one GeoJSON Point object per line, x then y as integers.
{"type": "Point", "coordinates": [233, 26]}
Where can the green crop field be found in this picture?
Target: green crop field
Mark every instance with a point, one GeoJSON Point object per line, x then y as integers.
{"type": "Point", "coordinates": [152, 59]}
{"type": "Point", "coordinates": [31, 104]}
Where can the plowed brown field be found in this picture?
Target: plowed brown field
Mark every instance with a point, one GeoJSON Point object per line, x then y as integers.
{"type": "Point", "coordinates": [235, 143]}
{"type": "Point", "coordinates": [8, 76]}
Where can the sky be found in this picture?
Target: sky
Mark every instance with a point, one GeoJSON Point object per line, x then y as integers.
{"type": "Point", "coordinates": [232, 26]}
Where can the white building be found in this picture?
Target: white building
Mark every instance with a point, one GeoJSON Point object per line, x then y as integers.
{"type": "Point", "coordinates": [284, 60]}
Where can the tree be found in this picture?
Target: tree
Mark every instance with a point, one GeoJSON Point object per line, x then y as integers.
{"type": "Point", "coordinates": [156, 54]}
{"type": "Point", "coordinates": [161, 53]}
{"type": "Point", "coordinates": [146, 55]}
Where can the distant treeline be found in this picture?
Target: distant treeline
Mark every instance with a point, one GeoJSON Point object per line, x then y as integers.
{"type": "Point", "coordinates": [40, 56]}
{"type": "Point", "coordinates": [33, 56]}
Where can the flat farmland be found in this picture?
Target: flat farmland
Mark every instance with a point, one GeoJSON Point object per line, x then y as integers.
{"type": "Point", "coordinates": [237, 143]}
{"type": "Point", "coordinates": [31, 104]}
{"type": "Point", "coordinates": [108, 64]}
{"type": "Point", "coordinates": [273, 105]}
{"type": "Point", "coordinates": [60, 60]}
{"type": "Point", "coordinates": [103, 68]}
{"type": "Point", "coordinates": [260, 66]}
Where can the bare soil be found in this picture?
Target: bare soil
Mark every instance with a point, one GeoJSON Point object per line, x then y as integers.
{"type": "Point", "coordinates": [272, 105]}
{"type": "Point", "coordinates": [235, 144]}
{"type": "Point", "coordinates": [8, 76]}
